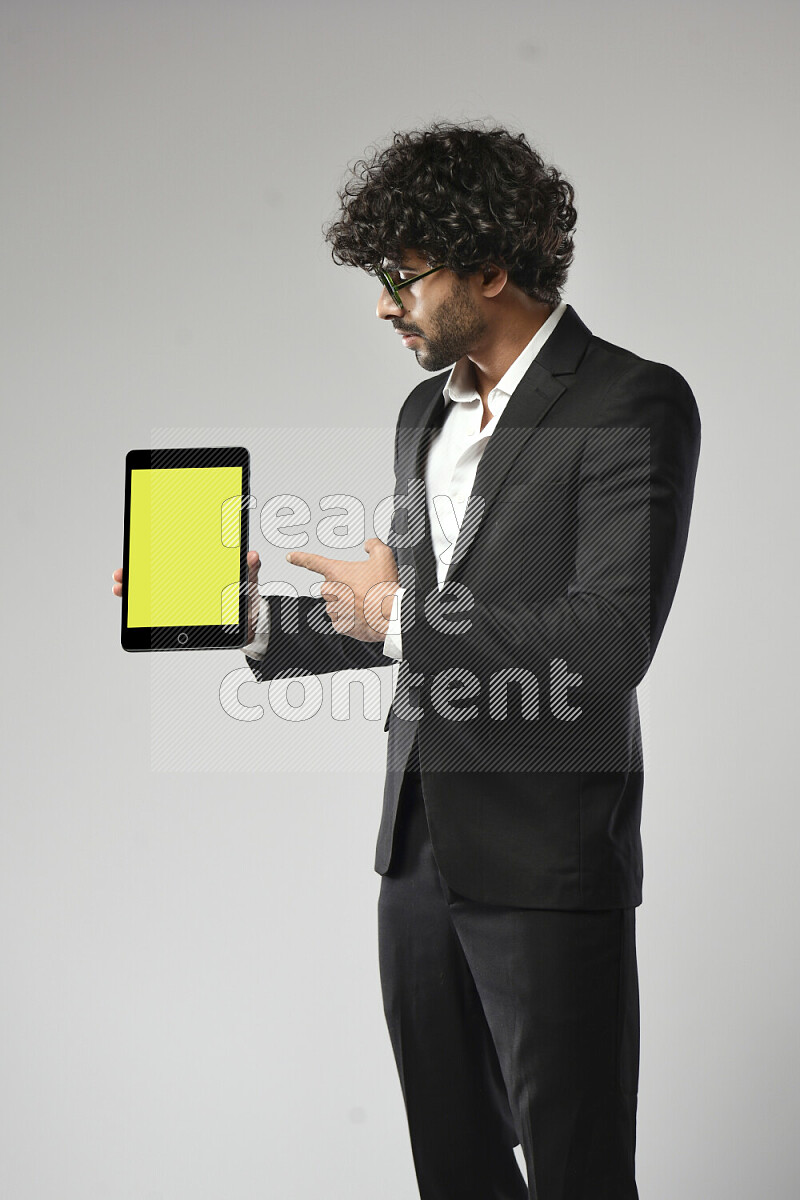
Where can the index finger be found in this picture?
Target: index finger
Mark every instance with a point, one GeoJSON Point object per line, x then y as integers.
{"type": "Point", "coordinates": [312, 562]}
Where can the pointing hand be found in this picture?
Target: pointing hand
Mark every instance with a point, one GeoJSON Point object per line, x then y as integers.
{"type": "Point", "coordinates": [358, 595]}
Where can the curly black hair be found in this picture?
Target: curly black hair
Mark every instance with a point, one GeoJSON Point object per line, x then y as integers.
{"type": "Point", "coordinates": [462, 195]}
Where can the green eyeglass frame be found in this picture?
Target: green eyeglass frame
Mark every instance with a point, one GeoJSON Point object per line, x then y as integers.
{"type": "Point", "coordinates": [394, 288]}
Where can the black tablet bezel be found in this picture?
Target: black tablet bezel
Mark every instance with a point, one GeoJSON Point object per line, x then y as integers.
{"type": "Point", "coordinates": [190, 637]}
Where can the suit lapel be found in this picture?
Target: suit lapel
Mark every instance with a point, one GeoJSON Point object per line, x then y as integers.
{"type": "Point", "coordinates": [543, 383]}
{"type": "Point", "coordinates": [540, 387]}
{"type": "Point", "coordinates": [534, 396]}
{"type": "Point", "coordinates": [432, 420]}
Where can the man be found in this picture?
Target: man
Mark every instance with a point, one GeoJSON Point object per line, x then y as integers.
{"type": "Point", "coordinates": [542, 499]}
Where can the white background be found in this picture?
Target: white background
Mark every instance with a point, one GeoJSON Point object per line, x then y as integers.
{"type": "Point", "coordinates": [190, 1000]}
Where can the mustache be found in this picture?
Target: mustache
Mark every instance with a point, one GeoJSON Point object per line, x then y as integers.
{"type": "Point", "coordinates": [402, 329]}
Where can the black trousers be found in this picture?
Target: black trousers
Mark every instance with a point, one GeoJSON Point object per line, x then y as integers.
{"type": "Point", "coordinates": [509, 1026]}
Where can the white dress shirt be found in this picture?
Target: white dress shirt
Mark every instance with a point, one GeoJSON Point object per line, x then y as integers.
{"type": "Point", "coordinates": [450, 470]}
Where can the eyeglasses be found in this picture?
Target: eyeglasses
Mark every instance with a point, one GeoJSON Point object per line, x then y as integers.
{"type": "Point", "coordinates": [393, 285]}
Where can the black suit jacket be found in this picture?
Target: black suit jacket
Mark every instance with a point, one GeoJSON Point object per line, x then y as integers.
{"type": "Point", "coordinates": [519, 676]}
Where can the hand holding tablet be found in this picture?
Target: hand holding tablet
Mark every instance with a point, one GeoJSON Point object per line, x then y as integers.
{"type": "Point", "coordinates": [184, 576]}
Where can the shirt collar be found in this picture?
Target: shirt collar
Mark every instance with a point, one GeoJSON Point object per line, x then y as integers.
{"type": "Point", "coordinates": [460, 385]}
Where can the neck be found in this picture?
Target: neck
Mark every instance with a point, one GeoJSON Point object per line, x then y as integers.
{"type": "Point", "coordinates": [503, 343]}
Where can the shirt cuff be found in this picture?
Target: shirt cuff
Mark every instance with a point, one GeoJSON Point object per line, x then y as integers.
{"type": "Point", "coordinates": [393, 643]}
{"type": "Point", "coordinates": [258, 647]}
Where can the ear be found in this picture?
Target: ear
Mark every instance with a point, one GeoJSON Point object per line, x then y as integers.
{"type": "Point", "coordinates": [494, 279]}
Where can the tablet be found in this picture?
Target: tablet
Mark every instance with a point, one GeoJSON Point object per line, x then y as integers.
{"type": "Point", "coordinates": [184, 568]}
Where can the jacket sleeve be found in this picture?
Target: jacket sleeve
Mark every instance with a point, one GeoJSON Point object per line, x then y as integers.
{"type": "Point", "coordinates": [302, 641]}
{"type": "Point", "coordinates": [634, 501]}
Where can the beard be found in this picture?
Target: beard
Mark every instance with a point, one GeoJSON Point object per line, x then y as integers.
{"type": "Point", "coordinates": [455, 328]}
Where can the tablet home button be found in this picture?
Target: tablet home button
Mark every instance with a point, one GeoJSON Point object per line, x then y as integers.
{"type": "Point", "coordinates": [183, 638]}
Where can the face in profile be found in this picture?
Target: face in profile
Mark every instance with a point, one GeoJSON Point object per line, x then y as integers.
{"type": "Point", "coordinates": [440, 316]}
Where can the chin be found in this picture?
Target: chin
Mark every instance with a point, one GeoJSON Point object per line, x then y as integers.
{"type": "Point", "coordinates": [425, 360]}
{"type": "Point", "coordinates": [432, 364]}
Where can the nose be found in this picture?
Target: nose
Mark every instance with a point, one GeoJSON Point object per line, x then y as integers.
{"type": "Point", "coordinates": [387, 309]}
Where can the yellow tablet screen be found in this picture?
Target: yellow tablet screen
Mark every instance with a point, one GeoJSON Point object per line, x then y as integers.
{"type": "Point", "coordinates": [183, 564]}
